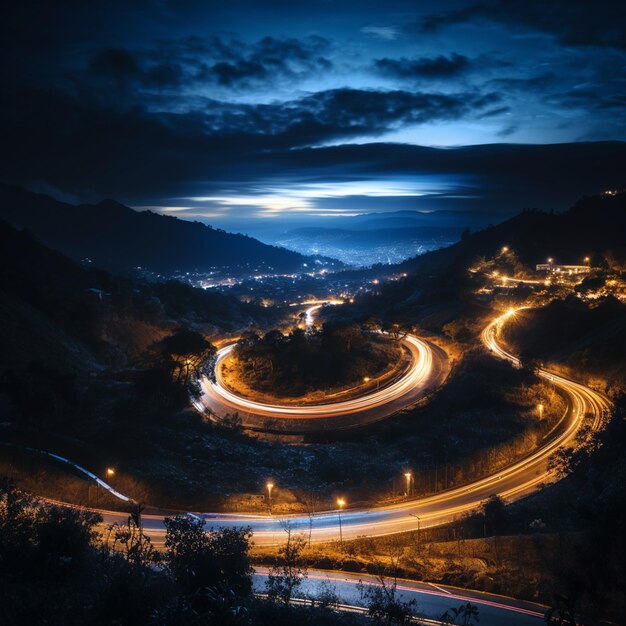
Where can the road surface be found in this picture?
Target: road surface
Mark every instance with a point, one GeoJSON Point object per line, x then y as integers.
{"type": "Point", "coordinates": [427, 370]}
{"type": "Point", "coordinates": [432, 600]}
{"type": "Point", "coordinates": [512, 483]}
{"type": "Point", "coordinates": [428, 367]}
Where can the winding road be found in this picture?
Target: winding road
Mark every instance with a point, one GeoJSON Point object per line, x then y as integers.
{"type": "Point", "coordinates": [432, 600]}
{"type": "Point", "coordinates": [511, 483]}
{"type": "Point", "coordinates": [427, 370]}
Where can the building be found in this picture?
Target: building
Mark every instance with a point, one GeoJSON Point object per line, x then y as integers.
{"type": "Point", "coordinates": [565, 270]}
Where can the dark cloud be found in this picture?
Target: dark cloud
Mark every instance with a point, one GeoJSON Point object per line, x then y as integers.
{"type": "Point", "coordinates": [345, 112]}
{"type": "Point", "coordinates": [269, 58]}
{"type": "Point", "coordinates": [573, 22]}
{"type": "Point", "coordinates": [228, 63]}
{"type": "Point", "coordinates": [494, 112]}
{"type": "Point", "coordinates": [124, 67]}
{"type": "Point", "coordinates": [533, 83]}
{"type": "Point", "coordinates": [424, 67]}
{"type": "Point", "coordinates": [590, 98]}
{"type": "Point", "coordinates": [79, 145]}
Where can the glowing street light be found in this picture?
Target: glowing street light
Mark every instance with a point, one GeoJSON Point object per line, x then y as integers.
{"type": "Point", "coordinates": [269, 486]}
{"type": "Point", "coordinates": [587, 260]}
{"type": "Point", "coordinates": [408, 477]}
{"type": "Point", "coordinates": [505, 249]}
{"type": "Point", "coordinates": [540, 410]}
{"type": "Point", "coordinates": [366, 379]}
{"type": "Point", "coordinates": [341, 503]}
{"type": "Point", "coordinates": [110, 472]}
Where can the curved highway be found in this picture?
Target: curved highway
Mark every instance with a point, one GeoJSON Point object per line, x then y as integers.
{"type": "Point", "coordinates": [428, 368]}
{"type": "Point", "coordinates": [516, 481]}
{"type": "Point", "coordinates": [511, 483]}
{"type": "Point", "coordinates": [432, 600]}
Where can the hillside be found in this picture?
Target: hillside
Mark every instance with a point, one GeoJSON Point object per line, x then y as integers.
{"type": "Point", "coordinates": [118, 238]}
{"type": "Point", "coordinates": [75, 319]}
{"type": "Point", "coordinates": [594, 226]}
{"type": "Point", "coordinates": [589, 340]}
{"type": "Point", "coordinates": [436, 289]}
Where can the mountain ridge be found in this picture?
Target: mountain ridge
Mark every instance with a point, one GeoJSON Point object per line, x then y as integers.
{"type": "Point", "coordinates": [118, 238]}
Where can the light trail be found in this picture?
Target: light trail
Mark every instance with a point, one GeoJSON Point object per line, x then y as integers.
{"type": "Point", "coordinates": [419, 372]}
{"type": "Point", "coordinates": [511, 483]}
{"type": "Point", "coordinates": [427, 370]}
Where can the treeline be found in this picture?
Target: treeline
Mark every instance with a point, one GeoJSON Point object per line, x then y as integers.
{"type": "Point", "coordinates": [302, 361]}
{"type": "Point", "coordinates": [589, 337]}
{"type": "Point", "coordinates": [60, 567]}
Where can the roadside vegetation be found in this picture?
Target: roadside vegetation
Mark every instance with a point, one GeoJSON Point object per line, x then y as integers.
{"type": "Point", "coordinates": [302, 361]}
{"type": "Point", "coordinates": [62, 567]}
{"type": "Point", "coordinates": [583, 339]}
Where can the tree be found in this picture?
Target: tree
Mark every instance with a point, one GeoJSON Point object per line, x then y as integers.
{"type": "Point", "coordinates": [185, 352]}
{"type": "Point", "coordinates": [385, 605]}
{"type": "Point", "coordinates": [464, 615]}
{"type": "Point", "coordinates": [217, 559]}
{"type": "Point", "coordinates": [495, 515]}
{"type": "Point", "coordinates": [129, 540]}
{"type": "Point", "coordinates": [287, 575]}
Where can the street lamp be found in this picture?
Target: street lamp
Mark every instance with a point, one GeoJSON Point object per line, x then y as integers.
{"type": "Point", "coordinates": [269, 486]}
{"type": "Point", "coordinates": [418, 528]}
{"type": "Point", "coordinates": [408, 477]}
{"type": "Point", "coordinates": [341, 503]}
{"type": "Point", "coordinates": [587, 259]}
{"type": "Point", "coordinates": [366, 379]}
{"type": "Point", "coordinates": [110, 472]}
{"type": "Point", "coordinates": [540, 410]}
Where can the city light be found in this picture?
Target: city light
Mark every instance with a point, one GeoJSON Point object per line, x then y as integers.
{"type": "Point", "coordinates": [408, 477]}
{"type": "Point", "coordinates": [110, 471]}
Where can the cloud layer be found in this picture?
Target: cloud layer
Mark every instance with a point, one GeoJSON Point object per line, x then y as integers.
{"type": "Point", "coordinates": [153, 101]}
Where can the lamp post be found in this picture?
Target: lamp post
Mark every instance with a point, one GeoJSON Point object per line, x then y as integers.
{"type": "Point", "coordinates": [540, 410]}
{"type": "Point", "coordinates": [341, 503]}
{"type": "Point", "coordinates": [269, 486]}
{"type": "Point", "coordinates": [418, 528]}
{"type": "Point", "coordinates": [408, 477]}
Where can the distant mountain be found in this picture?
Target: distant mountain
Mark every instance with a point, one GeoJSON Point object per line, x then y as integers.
{"type": "Point", "coordinates": [594, 226]}
{"type": "Point", "coordinates": [116, 237]}
{"type": "Point", "coordinates": [444, 219]}
{"type": "Point", "coordinates": [433, 293]}
{"type": "Point", "coordinates": [387, 237]}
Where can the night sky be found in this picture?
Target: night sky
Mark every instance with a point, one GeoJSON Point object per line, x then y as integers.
{"type": "Point", "coordinates": [237, 109]}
